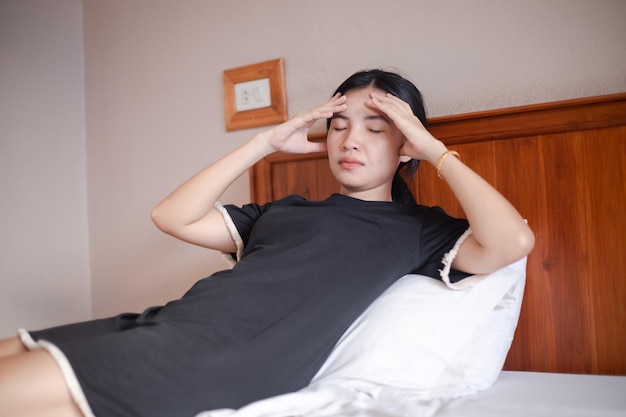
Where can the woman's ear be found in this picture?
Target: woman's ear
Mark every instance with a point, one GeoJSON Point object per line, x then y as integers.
{"type": "Point", "coordinates": [405, 158]}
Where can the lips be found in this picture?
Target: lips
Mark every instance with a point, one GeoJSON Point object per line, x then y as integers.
{"type": "Point", "coordinates": [349, 163]}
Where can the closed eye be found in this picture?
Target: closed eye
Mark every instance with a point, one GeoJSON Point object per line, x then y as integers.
{"type": "Point", "coordinates": [376, 123]}
{"type": "Point", "coordinates": [338, 123]}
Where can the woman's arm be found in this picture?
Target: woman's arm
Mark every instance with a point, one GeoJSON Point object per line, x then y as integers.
{"type": "Point", "coordinates": [188, 213]}
{"type": "Point", "coordinates": [499, 234]}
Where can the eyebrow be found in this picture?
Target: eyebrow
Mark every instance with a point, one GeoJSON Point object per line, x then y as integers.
{"type": "Point", "coordinates": [370, 117]}
{"type": "Point", "coordinates": [377, 117]}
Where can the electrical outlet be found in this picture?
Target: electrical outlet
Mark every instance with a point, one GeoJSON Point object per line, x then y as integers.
{"type": "Point", "coordinates": [253, 95]}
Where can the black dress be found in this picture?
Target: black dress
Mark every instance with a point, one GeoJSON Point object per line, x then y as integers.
{"type": "Point", "coordinates": [264, 327]}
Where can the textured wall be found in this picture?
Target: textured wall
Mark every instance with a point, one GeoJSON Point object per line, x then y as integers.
{"type": "Point", "coordinates": [44, 265]}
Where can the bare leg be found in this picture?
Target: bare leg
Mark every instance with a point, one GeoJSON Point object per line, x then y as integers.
{"type": "Point", "coordinates": [31, 384]}
{"type": "Point", "coordinates": [11, 346]}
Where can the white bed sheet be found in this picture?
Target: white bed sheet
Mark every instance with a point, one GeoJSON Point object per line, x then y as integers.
{"type": "Point", "coordinates": [515, 394]}
{"type": "Point", "coordinates": [530, 394]}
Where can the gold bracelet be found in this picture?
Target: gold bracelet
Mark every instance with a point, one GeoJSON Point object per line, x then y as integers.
{"type": "Point", "coordinates": [442, 157]}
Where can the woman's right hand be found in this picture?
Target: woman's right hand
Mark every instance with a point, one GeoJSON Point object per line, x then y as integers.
{"type": "Point", "coordinates": [292, 135]}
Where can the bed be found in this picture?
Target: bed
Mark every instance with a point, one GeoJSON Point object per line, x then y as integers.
{"type": "Point", "coordinates": [542, 337]}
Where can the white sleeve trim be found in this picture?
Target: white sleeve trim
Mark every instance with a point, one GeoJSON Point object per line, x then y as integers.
{"type": "Point", "coordinates": [447, 264]}
{"type": "Point", "coordinates": [230, 224]}
{"type": "Point", "coordinates": [64, 365]}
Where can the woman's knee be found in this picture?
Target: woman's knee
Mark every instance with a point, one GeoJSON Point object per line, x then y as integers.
{"type": "Point", "coordinates": [32, 382]}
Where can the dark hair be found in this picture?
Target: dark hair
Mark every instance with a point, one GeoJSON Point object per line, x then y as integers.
{"type": "Point", "coordinates": [402, 88]}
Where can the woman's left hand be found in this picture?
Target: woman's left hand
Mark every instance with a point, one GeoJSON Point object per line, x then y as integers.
{"type": "Point", "coordinates": [419, 143]}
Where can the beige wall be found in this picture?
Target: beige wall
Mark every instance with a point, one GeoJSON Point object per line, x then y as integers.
{"type": "Point", "coordinates": [154, 112]}
{"type": "Point", "coordinates": [44, 268]}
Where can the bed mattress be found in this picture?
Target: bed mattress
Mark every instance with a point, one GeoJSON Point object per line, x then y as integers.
{"type": "Point", "coordinates": [515, 394]}
{"type": "Point", "coordinates": [544, 394]}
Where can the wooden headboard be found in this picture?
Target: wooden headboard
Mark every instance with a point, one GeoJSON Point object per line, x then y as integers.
{"type": "Point", "coordinates": [563, 165]}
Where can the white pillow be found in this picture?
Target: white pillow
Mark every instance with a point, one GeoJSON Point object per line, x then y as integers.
{"type": "Point", "coordinates": [421, 335]}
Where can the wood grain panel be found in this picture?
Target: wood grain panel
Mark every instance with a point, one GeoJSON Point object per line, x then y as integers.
{"type": "Point", "coordinates": [516, 167]}
{"type": "Point", "coordinates": [564, 250]}
{"type": "Point", "coordinates": [325, 182]}
{"type": "Point", "coordinates": [605, 161]}
{"type": "Point", "coordinates": [282, 174]}
{"type": "Point", "coordinates": [537, 119]}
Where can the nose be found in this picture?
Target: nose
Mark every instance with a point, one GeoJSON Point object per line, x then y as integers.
{"type": "Point", "coordinates": [351, 140]}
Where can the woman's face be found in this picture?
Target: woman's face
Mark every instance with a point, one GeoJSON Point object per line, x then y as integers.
{"type": "Point", "coordinates": [363, 148]}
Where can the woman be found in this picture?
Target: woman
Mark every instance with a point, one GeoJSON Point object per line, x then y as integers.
{"type": "Point", "coordinates": [305, 270]}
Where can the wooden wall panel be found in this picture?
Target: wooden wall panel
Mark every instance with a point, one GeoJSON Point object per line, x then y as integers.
{"type": "Point", "coordinates": [571, 188]}
{"type": "Point", "coordinates": [605, 162]}
{"type": "Point", "coordinates": [564, 249]}
{"type": "Point", "coordinates": [283, 174]}
{"type": "Point", "coordinates": [325, 182]}
{"type": "Point", "coordinates": [517, 168]}
{"type": "Point", "coordinates": [570, 185]}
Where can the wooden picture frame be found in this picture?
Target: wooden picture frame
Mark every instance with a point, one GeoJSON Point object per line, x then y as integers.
{"type": "Point", "coordinates": [274, 113]}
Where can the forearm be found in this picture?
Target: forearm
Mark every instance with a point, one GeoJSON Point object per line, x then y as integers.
{"type": "Point", "coordinates": [499, 233]}
{"type": "Point", "coordinates": [192, 200]}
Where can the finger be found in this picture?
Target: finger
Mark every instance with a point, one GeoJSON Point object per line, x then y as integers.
{"type": "Point", "coordinates": [391, 103]}
{"type": "Point", "coordinates": [336, 104]}
{"type": "Point", "coordinates": [392, 111]}
{"type": "Point", "coordinates": [306, 119]}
